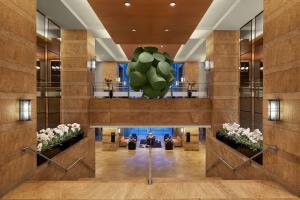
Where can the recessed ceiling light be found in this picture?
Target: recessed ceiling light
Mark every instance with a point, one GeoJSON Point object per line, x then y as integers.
{"type": "Point", "coordinates": [127, 4]}
{"type": "Point", "coordinates": [166, 30]}
{"type": "Point", "coordinates": [133, 30]}
{"type": "Point", "coordinates": [172, 4]}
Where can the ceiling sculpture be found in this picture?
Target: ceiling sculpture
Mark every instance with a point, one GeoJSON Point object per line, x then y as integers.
{"type": "Point", "coordinates": [150, 22]}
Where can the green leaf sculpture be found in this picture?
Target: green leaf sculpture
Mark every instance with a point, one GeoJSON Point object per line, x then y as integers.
{"type": "Point", "coordinates": [151, 72]}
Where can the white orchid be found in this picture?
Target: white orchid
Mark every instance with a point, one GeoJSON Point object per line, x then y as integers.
{"type": "Point", "coordinates": [39, 147]}
{"type": "Point", "coordinates": [49, 137]}
{"type": "Point", "coordinates": [234, 130]}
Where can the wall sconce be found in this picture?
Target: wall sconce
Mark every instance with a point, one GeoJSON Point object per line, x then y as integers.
{"type": "Point", "coordinates": [274, 110]}
{"type": "Point", "coordinates": [92, 63]}
{"type": "Point", "coordinates": [208, 65]}
{"type": "Point", "coordinates": [25, 109]}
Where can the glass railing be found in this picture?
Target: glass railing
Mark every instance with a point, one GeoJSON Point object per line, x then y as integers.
{"type": "Point", "coordinates": [123, 90]}
{"type": "Point", "coordinates": [251, 89]}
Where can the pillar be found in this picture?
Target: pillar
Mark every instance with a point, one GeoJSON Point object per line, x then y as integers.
{"type": "Point", "coordinates": [17, 81]}
{"type": "Point", "coordinates": [77, 49]}
{"type": "Point", "coordinates": [222, 48]}
{"type": "Point", "coordinates": [282, 80]}
{"type": "Point", "coordinates": [193, 145]}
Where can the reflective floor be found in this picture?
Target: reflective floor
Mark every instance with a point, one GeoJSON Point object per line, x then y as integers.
{"type": "Point", "coordinates": [125, 164]}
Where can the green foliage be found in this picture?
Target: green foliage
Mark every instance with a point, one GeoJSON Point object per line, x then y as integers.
{"type": "Point", "coordinates": [151, 72]}
{"type": "Point", "coordinates": [242, 140]}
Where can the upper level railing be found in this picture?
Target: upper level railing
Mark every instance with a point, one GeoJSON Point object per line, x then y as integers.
{"type": "Point", "coordinates": [123, 90]}
{"type": "Point", "coordinates": [251, 89]}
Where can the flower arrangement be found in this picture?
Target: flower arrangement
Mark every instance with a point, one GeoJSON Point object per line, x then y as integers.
{"type": "Point", "coordinates": [48, 138]}
{"type": "Point", "coordinates": [241, 136]}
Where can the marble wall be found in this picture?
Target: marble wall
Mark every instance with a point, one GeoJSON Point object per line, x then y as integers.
{"type": "Point", "coordinates": [77, 49]}
{"type": "Point", "coordinates": [222, 48]}
{"type": "Point", "coordinates": [282, 80]}
{"type": "Point", "coordinates": [17, 81]}
{"type": "Point", "coordinates": [150, 112]}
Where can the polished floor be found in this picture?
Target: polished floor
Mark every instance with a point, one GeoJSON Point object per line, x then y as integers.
{"type": "Point", "coordinates": [124, 164]}
{"type": "Point", "coordinates": [177, 174]}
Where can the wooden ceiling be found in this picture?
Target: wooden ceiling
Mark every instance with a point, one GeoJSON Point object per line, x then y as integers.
{"type": "Point", "coordinates": [150, 18]}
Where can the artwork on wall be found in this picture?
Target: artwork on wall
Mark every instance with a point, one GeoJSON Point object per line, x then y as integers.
{"type": "Point", "coordinates": [151, 72]}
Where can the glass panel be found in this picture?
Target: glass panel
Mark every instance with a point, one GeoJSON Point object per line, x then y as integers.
{"type": "Point", "coordinates": [246, 53]}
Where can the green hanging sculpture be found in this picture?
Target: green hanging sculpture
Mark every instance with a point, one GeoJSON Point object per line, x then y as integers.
{"type": "Point", "coordinates": [151, 72]}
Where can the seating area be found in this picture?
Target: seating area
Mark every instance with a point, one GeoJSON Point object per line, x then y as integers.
{"type": "Point", "coordinates": [145, 141]}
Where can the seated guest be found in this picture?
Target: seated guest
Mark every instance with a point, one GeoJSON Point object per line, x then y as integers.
{"type": "Point", "coordinates": [168, 144]}
{"type": "Point", "coordinates": [166, 136]}
{"type": "Point", "coordinates": [133, 135]}
{"type": "Point", "coordinates": [132, 144]}
{"type": "Point", "coordinates": [150, 139]}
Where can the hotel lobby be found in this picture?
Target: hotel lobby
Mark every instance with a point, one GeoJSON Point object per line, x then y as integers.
{"type": "Point", "coordinates": [150, 99]}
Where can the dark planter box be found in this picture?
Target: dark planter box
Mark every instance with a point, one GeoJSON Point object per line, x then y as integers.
{"type": "Point", "coordinates": [240, 148]}
{"type": "Point", "coordinates": [50, 153]}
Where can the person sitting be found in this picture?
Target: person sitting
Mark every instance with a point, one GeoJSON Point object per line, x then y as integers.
{"type": "Point", "coordinates": [166, 136]}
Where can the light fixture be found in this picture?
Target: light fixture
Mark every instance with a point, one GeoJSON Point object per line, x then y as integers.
{"type": "Point", "coordinates": [208, 65]}
{"type": "Point", "coordinates": [118, 79]}
{"type": "Point", "coordinates": [161, 46]}
{"type": "Point", "coordinates": [172, 4]}
{"type": "Point", "coordinates": [38, 67]}
{"type": "Point", "coordinates": [127, 4]}
{"type": "Point", "coordinates": [274, 110]}
{"type": "Point", "coordinates": [182, 79]}
{"type": "Point", "coordinates": [92, 63]}
{"type": "Point", "coordinates": [24, 109]}
{"type": "Point", "coordinates": [166, 30]}
{"type": "Point", "coordinates": [133, 30]}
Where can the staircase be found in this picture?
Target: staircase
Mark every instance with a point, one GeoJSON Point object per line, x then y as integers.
{"type": "Point", "coordinates": [162, 188]}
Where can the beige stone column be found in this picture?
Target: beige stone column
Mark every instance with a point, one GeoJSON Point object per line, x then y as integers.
{"type": "Point", "coordinates": [282, 80]}
{"type": "Point", "coordinates": [222, 48]}
{"type": "Point", "coordinates": [17, 81]}
{"type": "Point", "coordinates": [192, 72]}
{"type": "Point", "coordinates": [77, 49]}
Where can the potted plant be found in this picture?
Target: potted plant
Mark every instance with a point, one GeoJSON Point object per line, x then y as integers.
{"type": "Point", "coordinates": [243, 140]}
{"type": "Point", "coordinates": [53, 141]}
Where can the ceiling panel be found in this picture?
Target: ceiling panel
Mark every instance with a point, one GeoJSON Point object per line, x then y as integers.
{"type": "Point", "coordinates": [150, 18]}
{"type": "Point", "coordinates": [170, 48]}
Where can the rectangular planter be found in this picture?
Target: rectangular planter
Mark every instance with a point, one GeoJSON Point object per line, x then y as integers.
{"type": "Point", "coordinates": [50, 153]}
{"type": "Point", "coordinates": [240, 148]}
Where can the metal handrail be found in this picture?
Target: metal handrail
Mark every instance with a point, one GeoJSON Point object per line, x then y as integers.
{"type": "Point", "coordinates": [66, 169]}
{"type": "Point", "coordinates": [271, 148]}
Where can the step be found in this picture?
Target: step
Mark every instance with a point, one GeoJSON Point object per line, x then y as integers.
{"type": "Point", "coordinates": [202, 189]}
{"type": "Point", "coordinates": [154, 179]}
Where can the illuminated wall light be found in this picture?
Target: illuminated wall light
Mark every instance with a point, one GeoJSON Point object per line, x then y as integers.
{"type": "Point", "coordinates": [25, 109]}
{"type": "Point", "coordinates": [127, 4]}
{"type": "Point", "coordinates": [38, 67]}
{"type": "Point", "coordinates": [274, 110]}
{"type": "Point", "coordinates": [166, 30]}
{"type": "Point", "coordinates": [208, 65]}
{"type": "Point", "coordinates": [92, 64]}
{"type": "Point", "coordinates": [133, 30]}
